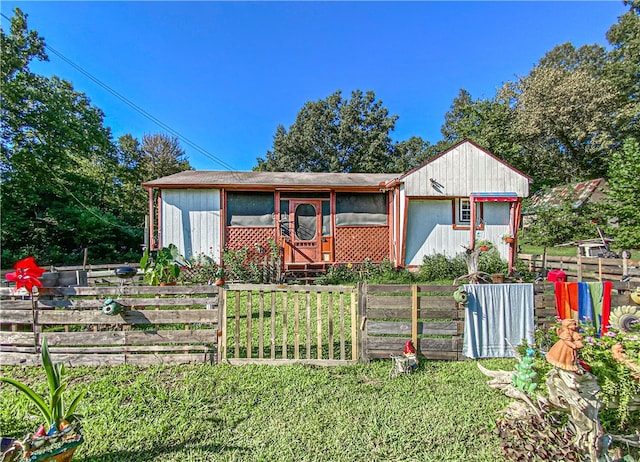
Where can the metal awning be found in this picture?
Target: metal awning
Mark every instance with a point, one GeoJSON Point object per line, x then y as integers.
{"type": "Point", "coordinates": [494, 196]}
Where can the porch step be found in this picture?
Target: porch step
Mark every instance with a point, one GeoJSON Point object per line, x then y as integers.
{"type": "Point", "coordinates": [303, 272]}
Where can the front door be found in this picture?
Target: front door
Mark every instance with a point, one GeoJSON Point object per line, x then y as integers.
{"type": "Point", "coordinates": [305, 225]}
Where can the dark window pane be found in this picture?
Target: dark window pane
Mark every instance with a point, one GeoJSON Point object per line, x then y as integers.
{"type": "Point", "coordinates": [250, 209]}
{"type": "Point", "coordinates": [358, 209]}
{"type": "Point", "coordinates": [305, 222]}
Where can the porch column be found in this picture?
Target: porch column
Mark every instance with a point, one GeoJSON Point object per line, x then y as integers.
{"type": "Point", "coordinates": [472, 224]}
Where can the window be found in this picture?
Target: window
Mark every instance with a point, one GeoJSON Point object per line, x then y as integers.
{"type": "Point", "coordinates": [462, 214]}
{"type": "Point", "coordinates": [250, 209]}
{"type": "Point", "coordinates": [464, 210]}
{"type": "Point", "coordinates": [361, 209]}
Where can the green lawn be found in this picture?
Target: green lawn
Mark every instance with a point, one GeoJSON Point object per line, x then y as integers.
{"type": "Point", "coordinates": [443, 412]}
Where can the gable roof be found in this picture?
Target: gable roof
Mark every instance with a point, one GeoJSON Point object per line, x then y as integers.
{"type": "Point", "coordinates": [270, 180]}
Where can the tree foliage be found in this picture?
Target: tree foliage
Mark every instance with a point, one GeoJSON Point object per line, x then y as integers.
{"type": "Point", "coordinates": [335, 135]}
{"type": "Point", "coordinates": [566, 120]}
{"type": "Point", "coordinates": [549, 226]}
{"type": "Point", "coordinates": [622, 204]}
{"type": "Point", "coordinates": [65, 185]}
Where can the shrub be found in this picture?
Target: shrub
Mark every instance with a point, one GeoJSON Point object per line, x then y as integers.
{"type": "Point", "coordinates": [491, 262]}
{"type": "Point", "coordinates": [200, 269]}
{"type": "Point", "coordinates": [254, 264]}
{"type": "Point", "coordinates": [349, 273]}
{"type": "Point", "coordinates": [439, 266]}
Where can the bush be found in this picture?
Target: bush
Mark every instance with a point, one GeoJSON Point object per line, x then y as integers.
{"type": "Point", "coordinates": [254, 265]}
{"type": "Point", "coordinates": [350, 273]}
{"type": "Point", "coordinates": [200, 269]}
{"type": "Point", "coordinates": [491, 262]}
{"type": "Point", "coordinates": [439, 266]}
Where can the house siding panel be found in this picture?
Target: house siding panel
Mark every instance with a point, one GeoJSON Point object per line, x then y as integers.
{"type": "Point", "coordinates": [191, 221]}
{"type": "Point", "coordinates": [430, 230]}
{"type": "Point", "coordinates": [463, 170]}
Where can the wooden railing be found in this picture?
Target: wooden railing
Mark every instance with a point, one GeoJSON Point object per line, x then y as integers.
{"type": "Point", "coordinates": [586, 268]}
{"type": "Point", "coordinates": [157, 325]}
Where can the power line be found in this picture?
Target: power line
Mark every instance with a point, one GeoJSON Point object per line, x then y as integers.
{"type": "Point", "coordinates": [140, 110]}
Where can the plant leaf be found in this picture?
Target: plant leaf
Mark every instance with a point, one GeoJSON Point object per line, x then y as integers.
{"type": "Point", "coordinates": [74, 404]}
{"type": "Point", "coordinates": [33, 396]}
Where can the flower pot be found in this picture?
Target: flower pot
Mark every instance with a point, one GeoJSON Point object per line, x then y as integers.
{"type": "Point", "coordinates": [219, 282]}
{"type": "Point", "coordinates": [509, 240]}
{"type": "Point", "coordinates": [484, 248]}
{"type": "Point", "coordinates": [53, 451]}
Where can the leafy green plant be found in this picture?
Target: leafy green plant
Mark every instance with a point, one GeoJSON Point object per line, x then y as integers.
{"type": "Point", "coordinates": [617, 385]}
{"type": "Point", "coordinates": [254, 264]}
{"type": "Point", "coordinates": [439, 267]}
{"type": "Point", "coordinates": [200, 269]}
{"type": "Point", "coordinates": [163, 267]}
{"type": "Point", "coordinates": [52, 407]}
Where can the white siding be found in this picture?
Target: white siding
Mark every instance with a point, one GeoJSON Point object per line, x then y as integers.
{"type": "Point", "coordinates": [463, 170]}
{"type": "Point", "coordinates": [430, 230]}
{"type": "Point", "coordinates": [191, 221]}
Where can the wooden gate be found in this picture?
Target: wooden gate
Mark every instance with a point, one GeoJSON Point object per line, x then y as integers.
{"type": "Point", "coordinates": [280, 324]}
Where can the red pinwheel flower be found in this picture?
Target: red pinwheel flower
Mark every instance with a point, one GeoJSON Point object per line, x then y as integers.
{"type": "Point", "coordinates": [27, 274]}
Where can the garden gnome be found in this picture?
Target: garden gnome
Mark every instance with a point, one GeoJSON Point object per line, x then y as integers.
{"type": "Point", "coordinates": [564, 354]}
{"type": "Point", "coordinates": [410, 354]}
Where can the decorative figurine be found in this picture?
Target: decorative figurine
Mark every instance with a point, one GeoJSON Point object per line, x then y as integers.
{"type": "Point", "coordinates": [524, 378]}
{"type": "Point", "coordinates": [564, 354]}
{"type": "Point", "coordinates": [410, 354]}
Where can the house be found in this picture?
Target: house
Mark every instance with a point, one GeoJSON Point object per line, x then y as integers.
{"type": "Point", "coordinates": [328, 218]}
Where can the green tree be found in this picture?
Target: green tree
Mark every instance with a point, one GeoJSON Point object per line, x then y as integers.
{"type": "Point", "coordinates": [551, 225]}
{"type": "Point", "coordinates": [161, 156]}
{"type": "Point", "coordinates": [410, 153]}
{"type": "Point", "coordinates": [565, 118]}
{"type": "Point", "coordinates": [623, 69]}
{"type": "Point", "coordinates": [335, 135]}
{"type": "Point", "coordinates": [57, 162]}
{"type": "Point", "coordinates": [487, 122]}
{"type": "Point", "coordinates": [621, 206]}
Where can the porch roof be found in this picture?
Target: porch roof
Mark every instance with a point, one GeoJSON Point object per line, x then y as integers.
{"type": "Point", "coordinates": [270, 180]}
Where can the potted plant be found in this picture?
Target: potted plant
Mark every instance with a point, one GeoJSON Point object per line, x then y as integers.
{"type": "Point", "coordinates": [163, 268]}
{"type": "Point", "coordinates": [220, 276]}
{"type": "Point", "coordinates": [57, 438]}
{"type": "Point", "coordinates": [484, 245]}
{"type": "Point", "coordinates": [508, 238]}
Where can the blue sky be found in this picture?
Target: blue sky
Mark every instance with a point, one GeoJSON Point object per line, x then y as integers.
{"type": "Point", "coordinates": [224, 75]}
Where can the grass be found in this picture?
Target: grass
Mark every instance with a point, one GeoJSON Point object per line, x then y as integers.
{"type": "Point", "coordinates": [442, 412]}
{"type": "Point", "coordinates": [568, 251]}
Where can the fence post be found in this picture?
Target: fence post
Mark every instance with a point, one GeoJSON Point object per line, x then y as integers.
{"type": "Point", "coordinates": [599, 269]}
{"type": "Point", "coordinates": [414, 315]}
{"type": "Point", "coordinates": [579, 269]}
{"type": "Point", "coordinates": [222, 324]}
{"type": "Point", "coordinates": [361, 322]}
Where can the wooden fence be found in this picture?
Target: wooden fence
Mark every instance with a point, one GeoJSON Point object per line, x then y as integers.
{"type": "Point", "coordinates": [158, 325]}
{"type": "Point", "coordinates": [586, 268]}
{"type": "Point", "coordinates": [280, 324]}
{"type": "Point", "coordinates": [392, 314]}
{"type": "Point", "coordinates": [269, 324]}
